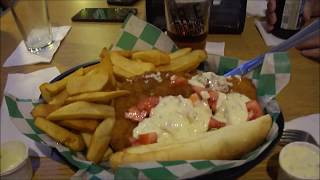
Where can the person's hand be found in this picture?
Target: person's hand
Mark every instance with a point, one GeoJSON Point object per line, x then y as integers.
{"type": "Point", "coordinates": [271, 14]}
{"type": "Point", "coordinates": [311, 47]}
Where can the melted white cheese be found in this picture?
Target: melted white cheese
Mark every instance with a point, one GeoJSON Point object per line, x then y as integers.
{"type": "Point", "coordinates": [175, 117]}
{"type": "Point", "coordinates": [211, 81]}
{"type": "Point", "coordinates": [231, 108]}
{"type": "Point", "coordinates": [301, 161]}
{"type": "Point", "coordinates": [221, 98]}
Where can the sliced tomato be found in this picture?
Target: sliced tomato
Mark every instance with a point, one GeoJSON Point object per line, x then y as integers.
{"type": "Point", "coordinates": [142, 109]}
{"type": "Point", "coordinates": [148, 103]}
{"type": "Point", "coordinates": [147, 138]}
{"type": "Point", "coordinates": [254, 110]}
{"type": "Point", "coordinates": [213, 123]}
{"type": "Point", "coordinates": [135, 114]}
{"type": "Point", "coordinates": [194, 97]}
{"type": "Point", "coordinates": [133, 141]}
{"type": "Point", "coordinates": [178, 81]}
{"type": "Point", "coordinates": [213, 96]}
{"type": "Point", "coordinates": [213, 100]}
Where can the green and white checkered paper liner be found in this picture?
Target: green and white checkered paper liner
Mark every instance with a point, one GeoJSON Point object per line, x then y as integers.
{"type": "Point", "coordinates": [135, 34]}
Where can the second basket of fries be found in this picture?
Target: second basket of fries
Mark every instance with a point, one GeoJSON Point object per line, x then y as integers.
{"type": "Point", "coordinates": [115, 117]}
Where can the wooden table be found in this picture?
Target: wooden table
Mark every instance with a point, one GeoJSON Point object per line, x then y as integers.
{"type": "Point", "coordinates": [85, 40]}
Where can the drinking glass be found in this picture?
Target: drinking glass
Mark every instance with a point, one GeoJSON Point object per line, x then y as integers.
{"type": "Point", "coordinates": [187, 22]}
{"type": "Point", "coordinates": [32, 19]}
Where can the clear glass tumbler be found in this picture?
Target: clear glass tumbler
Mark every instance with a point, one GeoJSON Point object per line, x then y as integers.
{"type": "Point", "coordinates": [32, 19]}
{"type": "Point", "coordinates": [187, 22]}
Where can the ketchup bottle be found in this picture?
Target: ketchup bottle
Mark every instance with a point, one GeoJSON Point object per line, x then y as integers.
{"type": "Point", "coordinates": [289, 18]}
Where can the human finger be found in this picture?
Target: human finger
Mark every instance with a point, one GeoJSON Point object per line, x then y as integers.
{"type": "Point", "coordinates": [312, 42]}
{"type": "Point", "coordinates": [271, 18]}
{"type": "Point", "coordinates": [307, 11]}
{"type": "Point", "coordinates": [271, 5]}
{"type": "Point", "coordinates": [269, 27]}
{"type": "Point", "coordinates": [312, 53]}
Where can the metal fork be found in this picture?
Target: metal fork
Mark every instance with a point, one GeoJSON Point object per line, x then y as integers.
{"type": "Point", "coordinates": [292, 135]}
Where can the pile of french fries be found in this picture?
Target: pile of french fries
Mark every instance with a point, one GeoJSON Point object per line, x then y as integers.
{"type": "Point", "coordinates": [78, 111]}
{"type": "Point", "coordinates": [127, 64]}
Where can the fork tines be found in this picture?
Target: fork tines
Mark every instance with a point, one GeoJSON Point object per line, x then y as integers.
{"type": "Point", "coordinates": [292, 135]}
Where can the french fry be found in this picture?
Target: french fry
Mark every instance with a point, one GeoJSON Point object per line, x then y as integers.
{"type": "Point", "coordinates": [107, 154]}
{"type": "Point", "coordinates": [118, 71]}
{"type": "Point", "coordinates": [130, 66]}
{"type": "Point", "coordinates": [106, 65]}
{"type": "Point", "coordinates": [185, 63]}
{"type": "Point", "coordinates": [43, 110]}
{"type": "Point", "coordinates": [99, 97]}
{"type": "Point", "coordinates": [83, 84]}
{"type": "Point", "coordinates": [59, 99]}
{"type": "Point", "coordinates": [103, 52]}
{"type": "Point", "coordinates": [153, 56]}
{"type": "Point", "coordinates": [87, 139]}
{"type": "Point", "coordinates": [192, 68]}
{"type": "Point", "coordinates": [100, 140]}
{"type": "Point", "coordinates": [46, 95]}
{"type": "Point", "coordinates": [56, 87]}
{"type": "Point", "coordinates": [82, 110]}
{"type": "Point", "coordinates": [82, 125]}
{"type": "Point", "coordinates": [61, 135]}
{"type": "Point", "coordinates": [179, 53]}
{"type": "Point", "coordinates": [126, 54]}
{"type": "Point", "coordinates": [94, 69]}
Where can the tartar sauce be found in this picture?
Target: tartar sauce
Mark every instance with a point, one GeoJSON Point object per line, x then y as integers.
{"type": "Point", "coordinates": [12, 154]}
{"type": "Point", "coordinates": [211, 81]}
{"type": "Point", "coordinates": [175, 117]}
{"type": "Point", "coordinates": [231, 108]}
{"type": "Point", "coordinates": [301, 161]}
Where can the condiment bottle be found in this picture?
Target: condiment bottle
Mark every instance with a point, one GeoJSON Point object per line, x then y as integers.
{"type": "Point", "coordinates": [289, 18]}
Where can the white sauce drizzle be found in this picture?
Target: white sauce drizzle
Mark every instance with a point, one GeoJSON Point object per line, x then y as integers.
{"type": "Point", "coordinates": [175, 117]}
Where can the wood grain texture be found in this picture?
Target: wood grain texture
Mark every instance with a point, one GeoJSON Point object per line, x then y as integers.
{"type": "Point", "coordinates": [45, 168]}
{"type": "Point", "coordinates": [85, 40]}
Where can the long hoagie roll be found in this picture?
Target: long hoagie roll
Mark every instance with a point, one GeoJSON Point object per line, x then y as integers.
{"type": "Point", "coordinates": [230, 142]}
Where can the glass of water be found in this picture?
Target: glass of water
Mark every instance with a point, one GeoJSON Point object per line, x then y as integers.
{"type": "Point", "coordinates": [32, 19]}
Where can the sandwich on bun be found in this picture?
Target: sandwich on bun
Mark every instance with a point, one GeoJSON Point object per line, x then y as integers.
{"type": "Point", "coordinates": [171, 116]}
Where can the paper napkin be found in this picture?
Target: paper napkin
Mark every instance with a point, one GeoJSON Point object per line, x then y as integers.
{"type": "Point", "coordinates": [268, 38]}
{"type": "Point", "coordinates": [310, 123]}
{"type": "Point", "coordinates": [256, 8]}
{"type": "Point", "coordinates": [21, 56]}
{"type": "Point", "coordinates": [25, 86]}
{"type": "Point", "coordinates": [216, 48]}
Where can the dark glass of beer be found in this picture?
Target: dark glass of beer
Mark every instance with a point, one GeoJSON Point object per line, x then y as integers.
{"type": "Point", "coordinates": [187, 22]}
